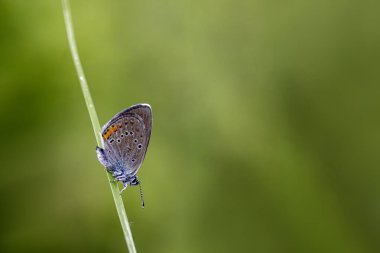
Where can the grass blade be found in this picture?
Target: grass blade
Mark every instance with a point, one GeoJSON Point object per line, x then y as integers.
{"type": "Point", "coordinates": [95, 124]}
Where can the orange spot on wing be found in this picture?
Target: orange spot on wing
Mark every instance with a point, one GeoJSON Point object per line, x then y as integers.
{"type": "Point", "coordinates": [110, 131]}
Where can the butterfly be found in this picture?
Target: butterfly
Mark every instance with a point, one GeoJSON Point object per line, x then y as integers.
{"type": "Point", "coordinates": [125, 141]}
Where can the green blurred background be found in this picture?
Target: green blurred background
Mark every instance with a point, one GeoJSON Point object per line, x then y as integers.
{"type": "Point", "coordinates": [265, 136]}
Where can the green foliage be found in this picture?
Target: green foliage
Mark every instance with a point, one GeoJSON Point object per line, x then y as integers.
{"type": "Point", "coordinates": [265, 133]}
{"type": "Point", "coordinates": [95, 124]}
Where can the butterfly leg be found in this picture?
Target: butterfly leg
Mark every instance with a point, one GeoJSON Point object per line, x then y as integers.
{"type": "Point", "coordinates": [102, 157]}
{"type": "Point", "coordinates": [125, 184]}
{"type": "Point", "coordinates": [117, 175]}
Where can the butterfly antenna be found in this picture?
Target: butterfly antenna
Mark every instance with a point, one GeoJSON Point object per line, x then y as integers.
{"type": "Point", "coordinates": [141, 196]}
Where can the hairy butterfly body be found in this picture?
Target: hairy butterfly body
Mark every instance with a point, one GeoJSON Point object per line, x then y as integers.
{"type": "Point", "coordinates": [125, 140]}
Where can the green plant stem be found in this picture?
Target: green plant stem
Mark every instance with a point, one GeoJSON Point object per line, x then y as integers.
{"type": "Point", "coordinates": [95, 124]}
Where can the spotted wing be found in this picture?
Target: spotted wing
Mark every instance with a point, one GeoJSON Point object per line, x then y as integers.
{"type": "Point", "coordinates": [126, 137]}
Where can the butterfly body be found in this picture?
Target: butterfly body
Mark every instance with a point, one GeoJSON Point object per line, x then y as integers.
{"type": "Point", "coordinates": [125, 140]}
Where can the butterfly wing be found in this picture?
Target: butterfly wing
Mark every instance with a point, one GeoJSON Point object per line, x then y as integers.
{"type": "Point", "coordinates": [126, 137]}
